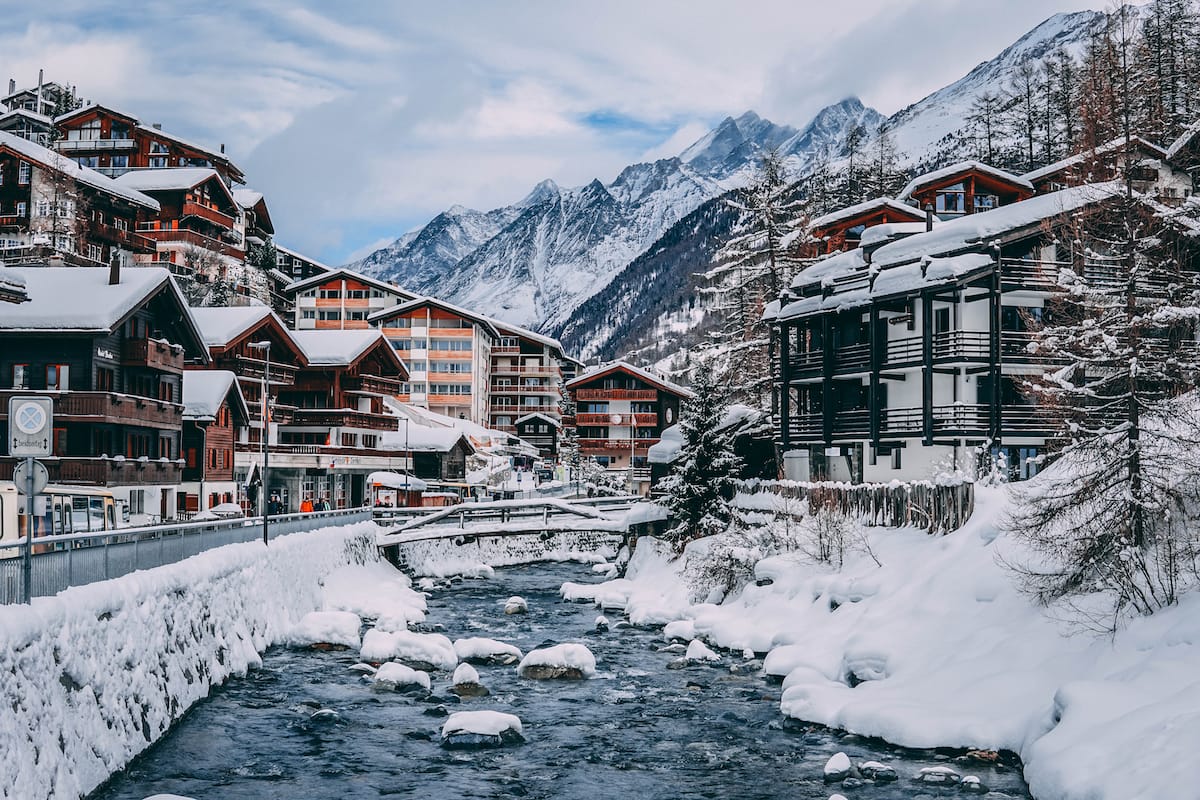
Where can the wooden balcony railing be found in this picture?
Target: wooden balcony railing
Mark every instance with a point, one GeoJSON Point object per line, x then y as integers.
{"type": "Point", "coordinates": [967, 419]}
{"type": "Point", "coordinates": [371, 384]}
{"type": "Point", "coordinates": [106, 407]}
{"type": "Point", "coordinates": [251, 369]}
{"type": "Point", "coordinates": [345, 418]}
{"type": "Point", "coordinates": [104, 471]}
{"type": "Point", "coordinates": [616, 394]}
{"type": "Point", "coordinates": [184, 236]}
{"type": "Point", "coordinates": [193, 209]}
{"type": "Point", "coordinates": [620, 445]}
{"type": "Point", "coordinates": [152, 354]}
{"type": "Point", "coordinates": [642, 420]}
{"type": "Point", "coordinates": [123, 236]}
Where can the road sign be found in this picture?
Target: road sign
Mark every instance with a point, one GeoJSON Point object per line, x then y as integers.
{"type": "Point", "coordinates": [30, 426]}
{"type": "Point", "coordinates": [40, 476]}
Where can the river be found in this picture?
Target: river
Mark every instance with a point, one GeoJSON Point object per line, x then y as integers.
{"type": "Point", "coordinates": [637, 730]}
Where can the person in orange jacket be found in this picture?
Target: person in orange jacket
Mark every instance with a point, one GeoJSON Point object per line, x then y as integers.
{"type": "Point", "coordinates": [307, 506]}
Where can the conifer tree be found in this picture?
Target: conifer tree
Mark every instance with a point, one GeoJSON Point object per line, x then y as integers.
{"type": "Point", "coordinates": [703, 479]}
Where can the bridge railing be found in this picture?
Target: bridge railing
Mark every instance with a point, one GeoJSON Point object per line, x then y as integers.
{"type": "Point", "coordinates": [60, 562]}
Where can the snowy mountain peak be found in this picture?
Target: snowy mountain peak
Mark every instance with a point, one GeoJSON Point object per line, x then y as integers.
{"type": "Point", "coordinates": [457, 211]}
{"type": "Point", "coordinates": [546, 190]}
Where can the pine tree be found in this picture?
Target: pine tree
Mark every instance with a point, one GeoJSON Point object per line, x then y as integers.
{"type": "Point", "coordinates": [884, 178]}
{"type": "Point", "coordinates": [985, 119]}
{"type": "Point", "coordinates": [704, 477]}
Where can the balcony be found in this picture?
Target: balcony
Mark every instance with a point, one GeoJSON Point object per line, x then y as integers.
{"type": "Point", "coordinates": [104, 471]}
{"type": "Point", "coordinates": [251, 369]}
{"type": "Point", "coordinates": [958, 419]}
{"type": "Point", "coordinates": [221, 219]}
{"type": "Point", "coordinates": [546, 388]}
{"type": "Point", "coordinates": [106, 407]}
{"type": "Point", "coordinates": [152, 355]}
{"type": "Point", "coordinates": [617, 445]}
{"type": "Point", "coordinates": [90, 145]}
{"type": "Point", "coordinates": [642, 420]}
{"type": "Point", "coordinates": [345, 418]}
{"type": "Point", "coordinates": [122, 236]}
{"type": "Point", "coordinates": [506, 351]}
{"type": "Point", "coordinates": [371, 384]}
{"type": "Point", "coordinates": [184, 236]}
{"type": "Point", "coordinates": [517, 369]}
{"type": "Point", "coordinates": [616, 394]}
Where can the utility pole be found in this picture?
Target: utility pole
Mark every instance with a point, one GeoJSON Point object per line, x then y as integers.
{"type": "Point", "coordinates": [265, 346]}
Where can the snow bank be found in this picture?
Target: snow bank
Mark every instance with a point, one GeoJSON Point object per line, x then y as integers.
{"type": "Point", "coordinates": [938, 648]}
{"type": "Point", "coordinates": [374, 591]}
{"type": "Point", "coordinates": [478, 648]}
{"type": "Point", "coordinates": [96, 674]}
{"type": "Point", "coordinates": [325, 627]}
{"type": "Point", "coordinates": [567, 656]}
{"type": "Point", "coordinates": [431, 650]}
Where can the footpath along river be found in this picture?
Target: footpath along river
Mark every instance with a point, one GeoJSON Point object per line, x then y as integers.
{"type": "Point", "coordinates": [637, 730]}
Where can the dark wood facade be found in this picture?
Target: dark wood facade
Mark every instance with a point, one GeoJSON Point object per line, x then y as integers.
{"type": "Point", "coordinates": [966, 188]}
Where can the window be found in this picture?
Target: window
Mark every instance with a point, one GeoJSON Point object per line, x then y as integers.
{"type": "Point", "coordinates": [88, 161]}
{"type": "Point", "coordinates": [212, 458]}
{"type": "Point", "coordinates": [450, 388]}
{"type": "Point", "coordinates": [357, 315]}
{"type": "Point", "coordinates": [95, 252]}
{"type": "Point", "coordinates": [951, 200]}
{"type": "Point", "coordinates": [449, 323]}
{"type": "Point", "coordinates": [896, 457]}
{"type": "Point", "coordinates": [58, 377]}
{"type": "Point", "coordinates": [416, 366]}
{"type": "Point", "coordinates": [461, 367]}
{"type": "Point", "coordinates": [330, 315]}
{"type": "Point", "coordinates": [985, 202]}
{"type": "Point", "coordinates": [157, 162]}
{"type": "Point", "coordinates": [349, 440]}
{"type": "Point", "coordinates": [164, 447]}
{"type": "Point", "coordinates": [308, 313]}
{"type": "Point", "coordinates": [22, 208]}
{"type": "Point", "coordinates": [459, 345]}
{"type": "Point", "coordinates": [420, 344]}
{"type": "Point", "coordinates": [24, 171]}
{"type": "Point", "coordinates": [369, 440]}
{"type": "Point", "coordinates": [402, 344]}
{"type": "Point", "coordinates": [158, 147]}
{"type": "Point", "coordinates": [104, 379]}
{"type": "Point", "coordinates": [20, 376]}
{"type": "Point", "coordinates": [119, 132]}
{"type": "Point", "coordinates": [60, 441]}
{"type": "Point", "coordinates": [137, 501]}
{"type": "Point", "coordinates": [119, 162]}
{"type": "Point", "coordinates": [330, 294]}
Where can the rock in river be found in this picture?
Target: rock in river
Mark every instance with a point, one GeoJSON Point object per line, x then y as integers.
{"type": "Point", "coordinates": [561, 661]}
{"type": "Point", "coordinates": [472, 729]}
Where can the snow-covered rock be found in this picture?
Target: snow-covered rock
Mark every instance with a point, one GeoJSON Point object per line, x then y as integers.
{"type": "Point", "coordinates": [373, 591]}
{"type": "Point", "coordinates": [837, 768]}
{"type": "Point", "coordinates": [471, 729]}
{"type": "Point", "coordinates": [877, 771]}
{"type": "Point", "coordinates": [516, 605]}
{"type": "Point", "coordinates": [601, 624]}
{"type": "Point", "coordinates": [423, 651]}
{"type": "Point", "coordinates": [394, 675]}
{"type": "Point", "coordinates": [326, 630]}
{"type": "Point", "coordinates": [940, 776]}
{"type": "Point", "coordinates": [699, 651]}
{"type": "Point", "coordinates": [481, 650]}
{"type": "Point", "coordinates": [682, 629]}
{"type": "Point", "coordinates": [570, 661]}
{"type": "Point", "coordinates": [466, 682]}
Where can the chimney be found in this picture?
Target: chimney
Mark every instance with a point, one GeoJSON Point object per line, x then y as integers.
{"type": "Point", "coordinates": [156, 125]}
{"type": "Point", "coordinates": [222, 148]}
{"type": "Point", "coordinates": [114, 269]}
{"type": "Point", "coordinates": [12, 86]}
{"type": "Point", "coordinates": [928, 217]}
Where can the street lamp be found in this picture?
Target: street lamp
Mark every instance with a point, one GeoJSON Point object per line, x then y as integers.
{"type": "Point", "coordinates": [265, 346]}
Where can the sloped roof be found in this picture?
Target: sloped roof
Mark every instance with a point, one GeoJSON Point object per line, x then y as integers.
{"type": "Point", "coordinates": [297, 254]}
{"type": "Point", "coordinates": [349, 274]}
{"type": "Point", "coordinates": [89, 107]}
{"type": "Point", "coordinates": [525, 333]}
{"type": "Point", "coordinates": [80, 299]}
{"type": "Point", "coordinates": [868, 207]}
{"type": "Point", "coordinates": [1080, 158]}
{"type": "Point", "coordinates": [172, 179]}
{"type": "Point", "coordinates": [221, 325]}
{"type": "Point", "coordinates": [56, 161]}
{"type": "Point", "coordinates": [1183, 141]}
{"type": "Point", "coordinates": [961, 168]}
{"type": "Point", "coordinates": [625, 366]}
{"type": "Point", "coordinates": [538, 415]}
{"type": "Point", "coordinates": [338, 348]}
{"type": "Point", "coordinates": [419, 301]}
{"type": "Point", "coordinates": [205, 390]}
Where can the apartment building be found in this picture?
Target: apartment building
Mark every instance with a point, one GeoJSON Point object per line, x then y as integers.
{"type": "Point", "coordinates": [620, 412]}
{"type": "Point", "coordinates": [110, 347]}
{"type": "Point", "coordinates": [341, 299]}
{"type": "Point", "coordinates": [527, 386]}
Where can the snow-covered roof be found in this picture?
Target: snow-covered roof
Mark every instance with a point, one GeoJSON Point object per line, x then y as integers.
{"type": "Point", "coordinates": [80, 299]}
{"type": "Point", "coordinates": [205, 390]}
{"type": "Point", "coordinates": [172, 179]}
{"type": "Point", "coordinates": [25, 112]}
{"type": "Point", "coordinates": [423, 438]}
{"type": "Point", "coordinates": [398, 480]}
{"type": "Point", "coordinates": [297, 254]}
{"type": "Point", "coordinates": [1183, 141]}
{"type": "Point", "coordinates": [340, 348]}
{"type": "Point", "coordinates": [12, 287]}
{"type": "Point", "coordinates": [208, 151]}
{"type": "Point", "coordinates": [646, 375]}
{"type": "Point", "coordinates": [222, 325]}
{"type": "Point", "coordinates": [247, 198]}
{"type": "Point", "coordinates": [1080, 158]}
{"type": "Point", "coordinates": [525, 333]}
{"type": "Point", "coordinates": [348, 274]}
{"type": "Point", "coordinates": [93, 106]}
{"type": "Point", "coordinates": [56, 161]}
{"type": "Point", "coordinates": [891, 230]}
{"type": "Point", "coordinates": [867, 207]}
{"type": "Point", "coordinates": [538, 415]}
{"type": "Point", "coordinates": [961, 168]}
{"type": "Point", "coordinates": [419, 301]}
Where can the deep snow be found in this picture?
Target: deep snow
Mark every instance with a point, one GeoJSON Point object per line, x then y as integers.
{"type": "Point", "coordinates": [945, 651]}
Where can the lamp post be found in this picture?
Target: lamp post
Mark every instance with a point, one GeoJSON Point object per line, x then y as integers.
{"type": "Point", "coordinates": [408, 462]}
{"type": "Point", "coordinates": [265, 346]}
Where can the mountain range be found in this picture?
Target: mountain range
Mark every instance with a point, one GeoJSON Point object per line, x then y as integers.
{"type": "Point", "coordinates": [608, 266]}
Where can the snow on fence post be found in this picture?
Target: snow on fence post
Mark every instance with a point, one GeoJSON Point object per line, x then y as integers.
{"type": "Point", "coordinates": [940, 507]}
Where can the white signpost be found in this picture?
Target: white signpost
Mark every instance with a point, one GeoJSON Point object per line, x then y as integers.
{"type": "Point", "coordinates": [30, 435]}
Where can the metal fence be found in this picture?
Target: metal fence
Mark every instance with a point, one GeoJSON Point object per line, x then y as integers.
{"type": "Point", "coordinates": [77, 559]}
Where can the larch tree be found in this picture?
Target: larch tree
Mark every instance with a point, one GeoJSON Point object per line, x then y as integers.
{"type": "Point", "coordinates": [703, 479]}
{"type": "Point", "coordinates": [1119, 514]}
{"type": "Point", "coordinates": [984, 118]}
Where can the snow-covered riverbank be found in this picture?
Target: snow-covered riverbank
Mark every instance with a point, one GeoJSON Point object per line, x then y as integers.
{"type": "Point", "coordinates": [936, 647]}
{"type": "Point", "coordinates": [93, 676]}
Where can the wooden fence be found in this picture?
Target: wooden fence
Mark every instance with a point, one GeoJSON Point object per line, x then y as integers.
{"type": "Point", "coordinates": [935, 507]}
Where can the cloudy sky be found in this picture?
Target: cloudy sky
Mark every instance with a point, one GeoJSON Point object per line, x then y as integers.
{"type": "Point", "coordinates": [362, 121]}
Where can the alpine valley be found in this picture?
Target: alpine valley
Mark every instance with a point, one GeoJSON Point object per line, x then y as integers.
{"type": "Point", "coordinates": [610, 268]}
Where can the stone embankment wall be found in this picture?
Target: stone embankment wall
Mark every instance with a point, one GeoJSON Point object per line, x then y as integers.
{"type": "Point", "coordinates": [464, 554]}
{"type": "Point", "coordinates": [95, 675]}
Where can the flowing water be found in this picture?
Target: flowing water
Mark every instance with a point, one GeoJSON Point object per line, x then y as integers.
{"type": "Point", "coordinates": [637, 730]}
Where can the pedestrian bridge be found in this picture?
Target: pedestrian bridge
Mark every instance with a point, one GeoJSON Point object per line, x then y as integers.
{"type": "Point", "coordinates": [460, 538]}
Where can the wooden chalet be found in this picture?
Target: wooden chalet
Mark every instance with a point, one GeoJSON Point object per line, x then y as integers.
{"type": "Point", "coordinates": [895, 359]}
{"type": "Point", "coordinates": [341, 299]}
{"type": "Point", "coordinates": [27, 125]}
{"type": "Point", "coordinates": [842, 230]}
{"type": "Point", "coordinates": [620, 412]}
{"type": "Point", "coordinates": [448, 350]}
{"type": "Point", "coordinates": [52, 208]}
{"type": "Point", "coordinates": [1184, 154]}
{"type": "Point", "coordinates": [215, 417]}
{"type": "Point", "coordinates": [255, 226]}
{"type": "Point", "coordinates": [115, 143]}
{"type": "Point", "coordinates": [967, 187]}
{"type": "Point", "coordinates": [541, 431]}
{"type": "Point", "coordinates": [197, 212]}
{"type": "Point", "coordinates": [1150, 171]}
{"type": "Point", "coordinates": [109, 346]}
